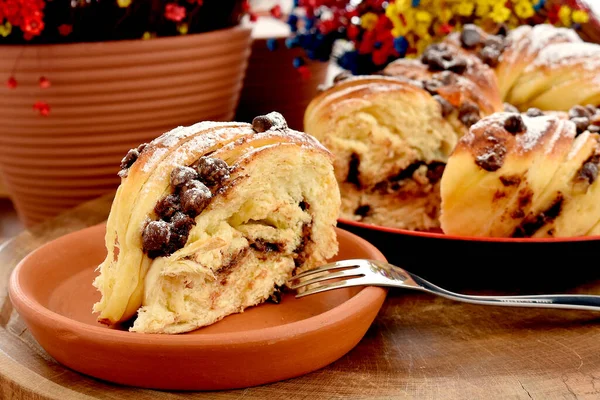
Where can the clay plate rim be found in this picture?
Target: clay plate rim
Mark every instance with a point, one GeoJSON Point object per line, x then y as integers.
{"type": "Point", "coordinates": [443, 236]}
{"type": "Point", "coordinates": [364, 298]}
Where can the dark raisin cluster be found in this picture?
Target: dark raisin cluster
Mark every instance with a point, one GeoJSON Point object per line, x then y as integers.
{"type": "Point", "coordinates": [441, 57]}
{"type": "Point", "coordinates": [272, 120]}
{"type": "Point", "coordinates": [534, 112]}
{"type": "Point", "coordinates": [589, 170]}
{"type": "Point", "coordinates": [468, 113]}
{"type": "Point", "coordinates": [514, 124]}
{"type": "Point", "coordinates": [131, 157]}
{"type": "Point", "coordinates": [488, 50]}
{"type": "Point", "coordinates": [510, 108]}
{"type": "Point", "coordinates": [436, 82]}
{"type": "Point", "coordinates": [193, 189]}
{"type": "Point", "coordinates": [585, 118]}
{"type": "Point", "coordinates": [492, 156]}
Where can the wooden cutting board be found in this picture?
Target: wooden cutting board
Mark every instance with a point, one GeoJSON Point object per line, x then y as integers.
{"type": "Point", "coordinates": [419, 347]}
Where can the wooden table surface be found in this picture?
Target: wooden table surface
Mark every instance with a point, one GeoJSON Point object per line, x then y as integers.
{"type": "Point", "coordinates": [419, 347]}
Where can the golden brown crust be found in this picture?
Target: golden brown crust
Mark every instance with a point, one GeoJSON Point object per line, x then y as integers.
{"type": "Point", "coordinates": [453, 87]}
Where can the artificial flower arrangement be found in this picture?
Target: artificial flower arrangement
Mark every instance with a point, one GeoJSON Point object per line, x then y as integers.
{"type": "Point", "coordinates": [76, 21]}
{"type": "Point", "coordinates": [380, 31]}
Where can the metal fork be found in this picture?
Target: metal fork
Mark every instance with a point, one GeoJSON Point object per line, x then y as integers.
{"type": "Point", "coordinates": [360, 272]}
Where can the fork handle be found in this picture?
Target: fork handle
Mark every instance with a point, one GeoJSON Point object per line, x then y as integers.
{"type": "Point", "coordinates": [564, 301]}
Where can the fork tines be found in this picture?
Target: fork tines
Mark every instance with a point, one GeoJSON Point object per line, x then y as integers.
{"type": "Point", "coordinates": [343, 270]}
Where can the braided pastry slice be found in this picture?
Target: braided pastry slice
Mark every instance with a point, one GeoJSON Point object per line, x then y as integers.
{"type": "Point", "coordinates": [530, 175]}
{"type": "Point", "coordinates": [391, 139]}
{"type": "Point", "coordinates": [212, 219]}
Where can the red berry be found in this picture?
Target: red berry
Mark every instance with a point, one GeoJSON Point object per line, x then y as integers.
{"type": "Point", "coordinates": [353, 32]}
{"type": "Point", "coordinates": [44, 82]}
{"type": "Point", "coordinates": [253, 17]}
{"type": "Point", "coordinates": [379, 57]}
{"type": "Point", "coordinates": [42, 107]}
{"type": "Point", "coordinates": [304, 72]}
{"type": "Point", "coordinates": [65, 29]}
{"type": "Point", "coordinates": [276, 11]}
{"type": "Point", "coordinates": [11, 83]}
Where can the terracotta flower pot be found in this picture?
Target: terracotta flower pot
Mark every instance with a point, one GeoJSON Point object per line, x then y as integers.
{"type": "Point", "coordinates": [104, 99]}
{"type": "Point", "coordinates": [272, 83]}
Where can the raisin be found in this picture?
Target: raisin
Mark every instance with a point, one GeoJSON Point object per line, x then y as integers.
{"type": "Point", "coordinates": [581, 123]}
{"type": "Point", "coordinates": [490, 56]}
{"type": "Point", "coordinates": [470, 36]}
{"type": "Point", "coordinates": [273, 120]}
{"type": "Point", "coordinates": [579, 111]}
{"type": "Point", "coordinates": [156, 235]}
{"type": "Point", "coordinates": [468, 113]}
{"type": "Point", "coordinates": [213, 171]}
{"type": "Point", "coordinates": [510, 108]}
{"type": "Point", "coordinates": [534, 112]}
{"type": "Point", "coordinates": [182, 175]}
{"type": "Point", "coordinates": [131, 157]}
{"type": "Point", "coordinates": [167, 207]}
{"type": "Point", "coordinates": [447, 108]}
{"type": "Point", "coordinates": [194, 200]}
{"type": "Point", "coordinates": [514, 124]}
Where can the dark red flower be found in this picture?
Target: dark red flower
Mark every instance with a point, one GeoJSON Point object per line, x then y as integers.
{"type": "Point", "coordinates": [246, 6]}
{"type": "Point", "coordinates": [33, 23]}
{"type": "Point", "coordinates": [12, 12]}
{"type": "Point", "coordinates": [276, 11]}
{"type": "Point", "coordinates": [175, 13]}
{"type": "Point", "coordinates": [42, 107]}
{"type": "Point", "coordinates": [11, 83]}
{"type": "Point", "coordinates": [304, 72]}
{"type": "Point", "coordinates": [353, 31]}
{"type": "Point", "coordinates": [44, 82]}
{"type": "Point", "coordinates": [65, 29]}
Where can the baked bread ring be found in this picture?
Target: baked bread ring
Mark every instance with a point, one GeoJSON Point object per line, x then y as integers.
{"type": "Point", "coordinates": [388, 135]}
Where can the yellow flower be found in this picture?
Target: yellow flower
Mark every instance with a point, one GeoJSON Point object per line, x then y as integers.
{"type": "Point", "coordinates": [400, 5]}
{"type": "Point", "coordinates": [123, 3]}
{"type": "Point", "coordinates": [465, 8]}
{"type": "Point", "coordinates": [445, 14]}
{"type": "Point", "coordinates": [483, 10]}
{"type": "Point", "coordinates": [5, 29]}
{"type": "Point", "coordinates": [183, 29]}
{"type": "Point", "coordinates": [368, 21]}
{"type": "Point", "coordinates": [564, 14]}
{"type": "Point", "coordinates": [580, 17]}
{"type": "Point", "coordinates": [524, 9]}
{"type": "Point", "coordinates": [500, 13]}
{"type": "Point", "coordinates": [423, 17]}
{"type": "Point", "coordinates": [402, 28]}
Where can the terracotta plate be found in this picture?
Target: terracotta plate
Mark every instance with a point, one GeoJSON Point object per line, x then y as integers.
{"type": "Point", "coordinates": [505, 264]}
{"type": "Point", "coordinates": [51, 289]}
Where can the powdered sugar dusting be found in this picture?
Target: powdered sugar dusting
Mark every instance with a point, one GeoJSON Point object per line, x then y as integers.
{"type": "Point", "coordinates": [544, 34]}
{"type": "Point", "coordinates": [536, 127]}
{"type": "Point", "coordinates": [154, 159]}
{"type": "Point", "coordinates": [171, 138]}
{"type": "Point", "coordinates": [560, 54]}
